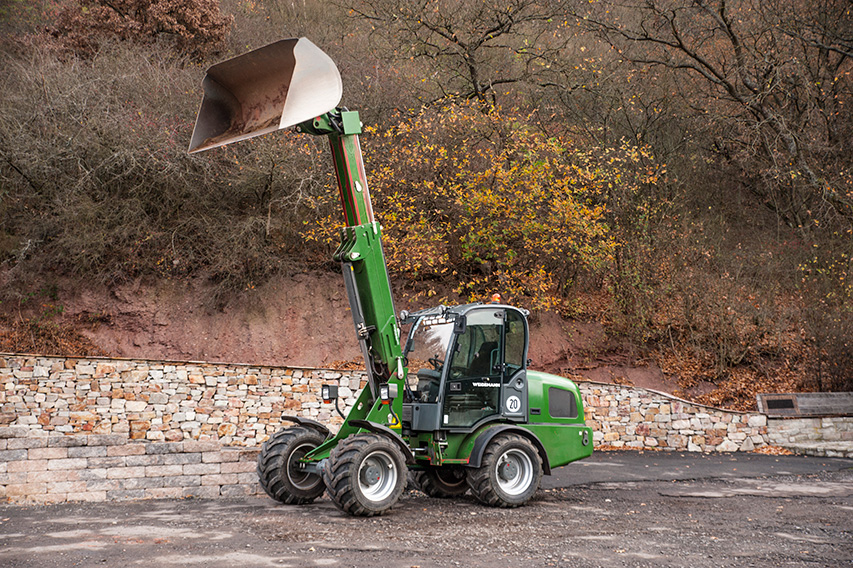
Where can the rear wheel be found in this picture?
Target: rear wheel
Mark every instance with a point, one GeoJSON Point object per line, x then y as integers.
{"type": "Point", "coordinates": [365, 474]}
{"type": "Point", "coordinates": [442, 482]}
{"type": "Point", "coordinates": [510, 472]}
{"type": "Point", "coordinates": [278, 466]}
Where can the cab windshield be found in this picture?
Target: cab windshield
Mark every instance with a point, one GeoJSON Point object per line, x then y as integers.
{"type": "Point", "coordinates": [426, 349]}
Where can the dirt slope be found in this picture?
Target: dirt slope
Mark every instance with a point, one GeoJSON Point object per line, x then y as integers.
{"type": "Point", "coordinates": [302, 321]}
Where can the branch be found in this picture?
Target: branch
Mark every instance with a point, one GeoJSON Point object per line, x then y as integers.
{"type": "Point", "coordinates": [723, 22]}
{"type": "Point", "coordinates": [12, 164]}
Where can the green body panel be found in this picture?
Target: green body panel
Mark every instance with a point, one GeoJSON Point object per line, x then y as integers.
{"type": "Point", "coordinates": [564, 443]}
{"type": "Point", "coordinates": [538, 385]}
{"type": "Point", "coordinates": [564, 439]}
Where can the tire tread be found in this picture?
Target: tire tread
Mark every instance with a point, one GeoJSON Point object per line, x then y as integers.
{"type": "Point", "coordinates": [481, 480]}
{"type": "Point", "coordinates": [271, 468]}
{"type": "Point", "coordinates": [339, 481]}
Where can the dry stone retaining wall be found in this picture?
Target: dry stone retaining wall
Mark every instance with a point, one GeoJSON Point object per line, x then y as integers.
{"type": "Point", "coordinates": [104, 467]}
{"type": "Point", "coordinates": [829, 436]}
{"type": "Point", "coordinates": [631, 417]}
{"type": "Point", "coordinates": [238, 405]}
{"type": "Point", "coordinates": [103, 429]}
{"type": "Point", "coordinates": [241, 405]}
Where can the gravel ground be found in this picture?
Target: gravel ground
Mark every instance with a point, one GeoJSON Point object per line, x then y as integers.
{"type": "Point", "coordinates": [778, 520]}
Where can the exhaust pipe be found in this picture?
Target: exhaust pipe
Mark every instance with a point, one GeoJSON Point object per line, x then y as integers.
{"type": "Point", "coordinates": [276, 86]}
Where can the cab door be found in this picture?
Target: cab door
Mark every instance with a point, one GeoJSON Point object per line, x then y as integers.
{"type": "Point", "coordinates": [473, 383]}
{"type": "Point", "coordinates": [486, 378]}
{"type": "Point", "coordinates": [514, 371]}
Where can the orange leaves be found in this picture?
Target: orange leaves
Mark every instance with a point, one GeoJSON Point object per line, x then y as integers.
{"type": "Point", "coordinates": [194, 26]}
{"type": "Point", "coordinates": [488, 200]}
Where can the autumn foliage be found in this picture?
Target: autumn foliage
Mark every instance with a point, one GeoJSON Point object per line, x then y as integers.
{"type": "Point", "coordinates": [488, 203]}
{"type": "Point", "coordinates": [194, 27]}
{"type": "Point", "coordinates": [680, 171]}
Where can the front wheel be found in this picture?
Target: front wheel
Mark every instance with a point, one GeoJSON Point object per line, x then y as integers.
{"type": "Point", "coordinates": [509, 474]}
{"type": "Point", "coordinates": [365, 474]}
{"type": "Point", "coordinates": [278, 466]}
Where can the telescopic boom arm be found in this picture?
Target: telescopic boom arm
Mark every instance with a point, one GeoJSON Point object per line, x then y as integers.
{"type": "Point", "coordinates": [293, 83]}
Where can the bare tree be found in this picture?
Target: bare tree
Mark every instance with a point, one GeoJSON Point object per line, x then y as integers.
{"type": "Point", "coordinates": [472, 47]}
{"type": "Point", "coordinates": [775, 74]}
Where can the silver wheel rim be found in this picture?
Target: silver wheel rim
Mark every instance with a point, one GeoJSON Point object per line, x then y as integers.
{"type": "Point", "coordinates": [297, 477]}
{"type": "Point", "coordinates": [377, 476]}
{"type": "Point", "coordinates": [514, 472]}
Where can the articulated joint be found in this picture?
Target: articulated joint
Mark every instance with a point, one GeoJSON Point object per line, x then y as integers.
{"type": "Point", "coordinates": [338, 121]}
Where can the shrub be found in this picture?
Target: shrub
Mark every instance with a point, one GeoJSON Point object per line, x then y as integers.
{"type": "Point", "coordinates": [97, 181]}
{"type": "Point", "coordinates": [491, 203]}
{"type": "Point", "coordinates": [194, 27]}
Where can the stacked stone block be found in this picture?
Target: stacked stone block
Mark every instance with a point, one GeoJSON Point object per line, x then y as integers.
{"type": "Point", "coordinates": [630, 417]}
{"type": "Point", "coordinates": [101, 467]}
{"type": "Point", "coordinates": [238, 405]}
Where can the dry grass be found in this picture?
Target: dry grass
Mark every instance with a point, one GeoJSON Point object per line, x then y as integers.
{"type": "Point", "coordinates": [35, 335]}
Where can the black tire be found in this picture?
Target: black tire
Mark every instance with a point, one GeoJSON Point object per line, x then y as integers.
{"type": "Point", "coordinates": [277, 466]}
{"type": "Point", "coordinates": [442, 482]}
{"type": "Point", "coordinates": [365, 474]}
{"type": "Point", "coordinates": [509, 473]}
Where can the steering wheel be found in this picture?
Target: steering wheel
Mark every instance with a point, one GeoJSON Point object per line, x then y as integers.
{"type": "Point", "coordinates": [436, 363]}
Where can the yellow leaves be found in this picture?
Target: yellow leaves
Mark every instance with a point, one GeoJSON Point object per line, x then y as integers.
{"type": "Point", "coordinates": [492, 204]}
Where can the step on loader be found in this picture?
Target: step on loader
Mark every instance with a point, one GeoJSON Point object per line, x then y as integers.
{"type": "Point", "coordinates": [453, 405]}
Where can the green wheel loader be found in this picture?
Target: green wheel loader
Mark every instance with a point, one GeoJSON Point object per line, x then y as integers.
{"type": "Point", "coordinates": [454, 403]}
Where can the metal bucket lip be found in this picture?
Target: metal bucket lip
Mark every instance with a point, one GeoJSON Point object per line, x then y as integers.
{"type": "Point", "coordinates": [273, 87]}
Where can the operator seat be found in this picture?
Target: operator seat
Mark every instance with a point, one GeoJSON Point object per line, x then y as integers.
{"type": "Point", "coordinates": [481, 365]}
{"type": "Point", "coordinates": [428, 384]}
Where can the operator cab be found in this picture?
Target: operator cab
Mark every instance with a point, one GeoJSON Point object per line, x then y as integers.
{"type": "Point", "coordinates": [467, 366]}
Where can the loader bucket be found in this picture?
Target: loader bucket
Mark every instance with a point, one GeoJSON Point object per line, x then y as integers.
{"type": "Point", "coordinates": [279, 85]}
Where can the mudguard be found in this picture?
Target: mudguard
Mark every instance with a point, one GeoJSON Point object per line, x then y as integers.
{"type": "Point", "coordinates": [383, 430]}
{"type": "Point", "coordinates": [482, 442]}
{"type": "Point", "coordinates": [308, 423]}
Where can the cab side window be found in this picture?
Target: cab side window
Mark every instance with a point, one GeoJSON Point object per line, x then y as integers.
{"type": "Point", "coordinates": [516, 341]}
